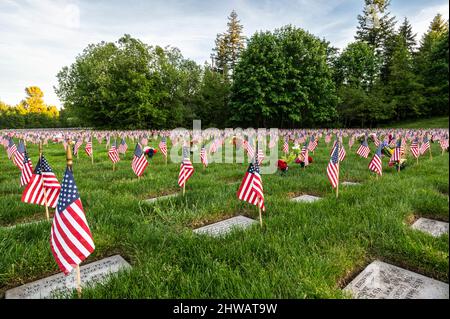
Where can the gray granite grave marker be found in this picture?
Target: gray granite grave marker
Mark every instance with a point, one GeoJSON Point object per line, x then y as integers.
{"type": "Point", "coordinates": [434, 227]}
{"type": "Point", "coordinates": [306, 198]}
{"type": "Point", "coordinates": [45, 288]}
{"type": "Point", "coordinates": [380, 280]}
{"type": "Point", "coordinates": [350, 183]}
{"type": "Point", "coordinates": [225, 226]}
{"type": "Point", "coordinates": [152, 200]}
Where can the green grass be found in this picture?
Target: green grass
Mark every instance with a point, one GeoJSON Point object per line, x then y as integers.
{"type": "Point", "coordinates": [434, 122]}
{"type": "Point", "coordinates": [303, 250]}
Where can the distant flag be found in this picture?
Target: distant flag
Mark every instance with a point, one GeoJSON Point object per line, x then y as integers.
{"type": "Point", "coordinates": [415, 148]}
{"type": "Point", "coordinates": [42, 181]}
{"type": "Point", "coordinates": [342, 153]}
{"type": "Point", "coordinates": [260, 155]}
{"type": "Point", "coordinates": [248, 146]}
{"type": "Point", "coordinates": [286, 146]}
{"type": "Point", "coordinates": [26, 170]}
{"type": "Point", "coordinates": [71, 240]}
{"type": "Point", "coordinates": [19, 155]}
{"type": "Point", "coordinates": [251, 189]}
{"type": "Point", "coordinates": [312, 144]}
{"type": "Point", "coordinates": [113, 154]}
{"type": "Point", "coordinates": [123, 146]}
{"type": "Point", "coordinates": [350, 142]}
{"type": "Point", "coordinates": [186, 168]}
{"type": "Point", "coordinates": [363, 149]}
{"type": "Point", "coordinates": [144, 141]}
{"type": "Point", "coordinates": [204, 156]}
{"type": "Point", "coordinates": [213, 147]}
{"type": "Point", "coordinates": [163, 146]}
{"type": "Point", "coordinates": [88, 148]}
{"type": "Point", "coordinates": [12, 148]}
{"type": "Point", "coordinates": [397, 152]}
{"type": "Point", "coordinates": [327, 138]}
{"type": "Point", "coordinates": [375, 164]}
{"type": "Point", "coordinates": [77, 146]}
{"type": "Point", "coordinates": [305, 154]}
{"type": "Point", "coordinates": [425, 145]}
{"type": "Point", "coordinates": [139, 162]}
{"type": "Point", "coordinates": [333, 167]}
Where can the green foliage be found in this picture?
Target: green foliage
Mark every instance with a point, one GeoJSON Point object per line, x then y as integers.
{"type": "Point", "coordinates": [283, 79]}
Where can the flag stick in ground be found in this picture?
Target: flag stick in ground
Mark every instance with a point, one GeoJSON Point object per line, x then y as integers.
{"type": "Point", "coordinates": [260, 215]}
{"type": "Point", "coordinates": [337, 186]}
{"type": "Point", "coordinates": [78, 281]}
{"type": "Point", "coordinates": [92, 149]}
{"type": "Point", "coordinates": [184, 188]}
{"type": "Point", "coordinates": [43, 188]}
{"type": "Point", "coordinates": [431, 156]}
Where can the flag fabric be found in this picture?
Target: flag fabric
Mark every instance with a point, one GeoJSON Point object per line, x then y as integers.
{"type": "Point", "coordinates": [286, 146]}
{"type": "Point", "coordinates": [363, 149]}
{"type": "Point", "coordinates": [71, 240]}
{"type": "Point", "coordinates": [260, 156]}
{"type": "Point", "coordinates": [444, 143]}
{"type": "Point", "coordinates": [342, 153]}
{"type": "Point", "coordinates": [333, 167]}
{"type": "Point", "coordinates": [88, 148]}
{"type": "Point", "coordinates": [123, 146]}
{"type": "Point", "coordinates": [186, 168]}
{"type": "Point", "coordinates": [305, 154]}
{"type": "Point", "coordinates": [375, 164]}
{"type": "Point", "coordinates": [113, 154]}
{"type": "Point", "coordinates": [19, 155]}
{"type": "Point", "coordinates": [415, 148]}
{"type": "Point", "coordinates": [251, 189]}
{"type": "Point", "coordinates": [12, 148]}
{"type": "Point", "coordinates": [204, 156]}
{"type": "Point", "coordinates": [139, 162]}
{"type": "Point", "coordinates": [77, 146]}
{"type": "Point", "coordinates": [425, 145]}
{"type": "Point", "coordinates": [397, 152]}
{"type": "Point", "coordinates": [376, 141]}
{"type": "Point", "coordinates": [26, 170]}
{"type": "Point", "coordinates": [312, 144]}
{"type": "Point", "coordinates": [163, 146]}
{"type": "Point", "coordinates": [248, 146]}
{"type": "Point", "coordinates": [213, 147]}
{"type": "Point", "coordinates": [43, 183]}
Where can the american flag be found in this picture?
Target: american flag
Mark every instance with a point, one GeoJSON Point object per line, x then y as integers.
{"type": "Point", "coordinates": [144, 141]}
{"type": "Point", "coordinates": [286, 146]}
{"type": "Point", "coordinates": [363, 149]}
{"type": "Point", "coordinates": [77, 146]}
{"type": "Point", "coordinates": [333, 167]}
{"type": "Point", "coordinates": [186, 168]}
{"type": "Point", "coordinates": [328, 138]}
{"type": "Point", "coordinates": [425, 145]}
{"type": "Point", "coordinates": [444, 143]}
{"type": "Point", "coordinates": [342, 153]}
{"type": "Point", "coordinates": [70, 237]}
{"type": "Point", "coordinates": [248, 146]}
{"type": "Point", "coordinates": [139, 162]}
{"type": "Point", "coordinates": [12, 149]}
{"type": "Point", "coordinates": [213, 147]}
{"type": "Point", "coordinates": [260, 155]}
{"type": "Point", "coordinates": [312, 144]}
{"type": "Point", "coordinates": [123, 146]}
{"type": "Point", "coordinates": [26, 170]}
{"type": "Point", "coordinates": [88, 148]}
{"type": "Point", "coordinates": [204, 156]}
{"type": "Point", "coordinates": [415, 147]}
{"type": "Point", "coordinates": [375, 164]}
{"type": "Point", "coordinates": [19, 155]}
{"type": "Point", "coordinates": [305, 154]}
{"type": "Point", "coordinates": [163, 146]}
{"type": "Point", "coordinates": [65, 144]}
{"type": "Point", "coordinates": [350, 142]}
{"type": "Point", "coordinates": [251, 189]}
{"type": "Point", "coordinates": [397, 152]}
{"type": "Point", "coordinates": [42, 181]}
{"type": "Point", "coordinates": [113, 154]}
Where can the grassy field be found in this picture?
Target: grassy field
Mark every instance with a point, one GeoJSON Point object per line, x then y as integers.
{"type": "Point", "coordinates": [303, 251]}
{"type": "Point", "coordinates": [435, 122]}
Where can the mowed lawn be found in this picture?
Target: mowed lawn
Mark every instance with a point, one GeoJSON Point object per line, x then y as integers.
{"type": "Point", "coordinates": [305, 250]}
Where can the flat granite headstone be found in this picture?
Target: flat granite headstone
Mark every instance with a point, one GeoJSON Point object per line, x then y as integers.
{"type": "Point", "coordinates": [306, 198]}
{"type": "Point", "coordinates": [225, 226]}
{"type": "Point", "coordinates": [94, 272]}
{"type": "Point", "coordinates": [152, 200]}
{"type": "Point", "coordinates": [380, 280]}
{"type": "Point", "coordinates": [350, 184]}
{"type": "Point", "coordinates": [434, 227]}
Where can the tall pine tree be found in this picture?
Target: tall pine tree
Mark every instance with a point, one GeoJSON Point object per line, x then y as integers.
{"type": "Point", "coordinates": [406, 33]}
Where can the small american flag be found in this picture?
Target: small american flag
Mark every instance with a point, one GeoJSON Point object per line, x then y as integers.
{"type": "Point", "coordinates": [363, 149]}
{"type": "Point", "coordinates": [375, 164]}
{"type": "Point", "coordinates": [342, 153]}
{"type": "Point", "coordinates": [77, 146]}
{"type": "Point", "coordinates": [305, 154]}
{"type": "Point", "coordinates": [12, 148]}
{"type": "Point", "coordinates": [113, 154]}
{"type": "Point", "coordinates": [186, 168]}
{"type": "Point", "coordinates": [333, 167]}
{"type": "Point", "coordinates": [415, 147]}
{"type": "Point", "coordinates": [163, 146]}
{"type": "Point", "coordinates": [19, 155]}
{"type": "Point", "coordinates": [425, 145]}
{"type": "Point", "coordinates": [71, 240]}
{"type": "Point", "coordinates": [286, 146]}
{"type": "Point", "coordinates": [139, 162]}
{"type": "Point", "coordinates": [204, 156]}
{"type": "Point", "coordinates": [26, 171]}
{"type": "Point", "coordinates": [88, 148]}
{"type": "Point", "coordinates": [397, 152]}
{"type": "Point", "coordinates": [123, 146]}
{"type": "Point", "coordinates": [312, 144]}
{"type": "Point", "coordinates": [248, 146]}
{"type": "Point", "coordinates": [251, 189]}
{"type": "Point", "coordinates": [260, 155]}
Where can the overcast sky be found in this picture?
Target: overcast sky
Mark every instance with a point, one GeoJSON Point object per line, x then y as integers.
{"type": "Point", "coordinates": [39, 37]}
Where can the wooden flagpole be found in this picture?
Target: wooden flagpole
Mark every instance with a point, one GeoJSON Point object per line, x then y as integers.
{"type": "Point", "coordinates": [69, 166]}
{"type": "Point", "coordinates": [92, 149]}
{"type": "Point", "coordinates": [337, 186]}
{"type": "Point", "coordinates": [260, 215]}
{"type": "Point", "coordinates": [43, 188]}
{"type": "Point", "coordinates": [431, 156]}
{"type": "Point", "coordinates": [184, 188]}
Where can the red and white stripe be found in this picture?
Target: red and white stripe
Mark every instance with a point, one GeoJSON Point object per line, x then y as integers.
{"type": "Point", "coordinates": [186, 171]}
{"type": "Point", "coordinates": [375, 165]}
{"type": "Point", "coordinates": [139, 164]}
{"type": "Point", "coordinates": [251, 190]}
{"type": "Point", "coordinates": [113, 154]}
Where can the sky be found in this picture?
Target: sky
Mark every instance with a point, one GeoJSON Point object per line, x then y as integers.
{"type": "Point", "coordinates": [39, 37]}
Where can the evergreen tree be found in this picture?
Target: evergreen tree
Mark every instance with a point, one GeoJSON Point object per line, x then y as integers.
{"type": "Point", "coordinates": [405, 31]}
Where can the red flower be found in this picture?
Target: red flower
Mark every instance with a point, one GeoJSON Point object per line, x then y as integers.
{"type": "Point", "coordinates": [282, 165]}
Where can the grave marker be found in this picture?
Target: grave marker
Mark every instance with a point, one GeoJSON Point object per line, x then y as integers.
{"type": "Point", "coordinates": [225, 226]}
{"type": "Point", "coordinates": [306, 198]}
{"type": "Point", "coordinates": [152, 200]}
{"type": "Point", "coordinates": [433, 227]}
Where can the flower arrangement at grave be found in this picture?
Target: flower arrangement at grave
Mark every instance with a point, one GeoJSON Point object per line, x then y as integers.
{"type": "Point", "coordinates": [150, 151]}
{"type": "Point", "coordinates": [298, 156]}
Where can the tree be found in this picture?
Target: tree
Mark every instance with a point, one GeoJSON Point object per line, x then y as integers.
{"type": "Point", "coordinates": [283, 79]}
{"type": "Point", "coordinates": [407, 35]}
{"type": "Point", "coordinates": [229, 46]}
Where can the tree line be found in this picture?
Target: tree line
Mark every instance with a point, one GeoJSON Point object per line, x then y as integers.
{"type": "Point", "coordinates": [283, 78]}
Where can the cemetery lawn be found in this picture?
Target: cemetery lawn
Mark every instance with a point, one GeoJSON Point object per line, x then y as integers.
{"type": "Point", "coordinates": [305, 250]}
{"type": "Point", "coordinates": [434, 122]}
